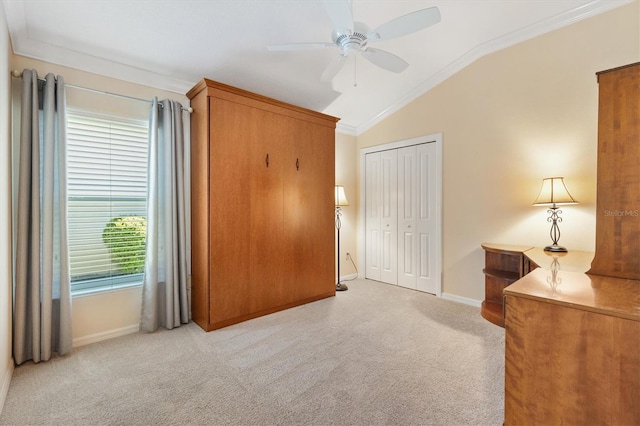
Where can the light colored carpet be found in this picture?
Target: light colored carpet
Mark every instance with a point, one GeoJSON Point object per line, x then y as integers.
{"type": "Point", "coordinates": [376, 354]}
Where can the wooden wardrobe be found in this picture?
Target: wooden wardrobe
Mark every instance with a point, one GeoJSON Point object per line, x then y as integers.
{"type": "Point", "coordinates": [262, 205]}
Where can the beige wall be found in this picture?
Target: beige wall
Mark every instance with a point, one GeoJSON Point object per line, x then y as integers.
{"type": "Point", "coordinates": [346, 159]}
{"type": "Point", "coordinates": [6, 359]}
{"type": "Point", "coordinates": [508, 120]}
{"type": "Point", "coordinates": [113, 313]}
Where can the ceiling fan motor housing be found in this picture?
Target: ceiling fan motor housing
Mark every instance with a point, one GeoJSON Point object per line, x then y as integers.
{"type": "Point", "coordinates": [349, 41]}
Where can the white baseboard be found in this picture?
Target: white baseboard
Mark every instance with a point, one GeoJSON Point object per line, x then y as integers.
{"type": "Point", "coordinates": [460, 299]}
{"type": "Point", "coordinates": [6, 381]}
{"type": "Point", "coordinates": [349, 277]}
{"type": "Point", "coordinates": [446, 296]}
{"type": "Point", "coordinates": [105, 335]}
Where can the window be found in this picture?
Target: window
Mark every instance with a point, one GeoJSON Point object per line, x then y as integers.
{"type": "Point", "coordinates": [107, 190]}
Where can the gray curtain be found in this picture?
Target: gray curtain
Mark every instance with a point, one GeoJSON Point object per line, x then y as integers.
{"type": "Point", "coordinates": [164, 295]}
{"type": "Point", "coordinates": [42, 288]}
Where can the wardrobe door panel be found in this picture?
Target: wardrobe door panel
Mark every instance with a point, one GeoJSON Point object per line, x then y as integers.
{"type": "Point", "coordinates": [267, 255]}
{"type": "Point", "coordinates": [229, 205]}
{"type": "Point", "coordinates": [309, 210]}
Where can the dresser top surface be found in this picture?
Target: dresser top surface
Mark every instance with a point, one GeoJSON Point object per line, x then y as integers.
{"type": "Point", "coordinates": [573, 260]}
{"type": "Point", "coordinates": [505, 248]}
{"type": "Point", "coordinates": [595, 293]}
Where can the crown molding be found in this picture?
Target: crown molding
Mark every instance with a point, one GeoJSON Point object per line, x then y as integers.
{"type": "Point", "coordinates": [24, 46]}
{"type": "Point", "coordinates": [346, 129]}
{"type": "Point", "coordinates": [573, 16]}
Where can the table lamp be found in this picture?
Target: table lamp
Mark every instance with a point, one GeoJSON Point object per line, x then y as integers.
{"type": "Point", "coordinates": [554, 193]}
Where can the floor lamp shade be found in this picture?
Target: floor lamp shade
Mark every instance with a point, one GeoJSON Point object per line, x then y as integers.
{"type": "Point", "coordinates": [553, 193]}
{"type": "Point", "coordinates": [341, 198]}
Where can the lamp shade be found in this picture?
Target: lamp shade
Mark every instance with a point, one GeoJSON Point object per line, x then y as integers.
{"type": "Point", "coordinates": [341, 198]}
{"type": "Point", "coordinates": [554, 191]}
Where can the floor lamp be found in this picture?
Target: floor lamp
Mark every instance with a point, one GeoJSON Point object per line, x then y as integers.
{"type": "Point", "coordinates": [341, 201]}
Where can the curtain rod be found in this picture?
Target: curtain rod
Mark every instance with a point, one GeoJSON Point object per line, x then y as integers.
{"type": "Point", "coordinates": [18, 74]}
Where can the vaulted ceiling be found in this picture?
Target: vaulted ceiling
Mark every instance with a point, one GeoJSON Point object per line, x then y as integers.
{"type": "Point", "coordinates": [172, 44]}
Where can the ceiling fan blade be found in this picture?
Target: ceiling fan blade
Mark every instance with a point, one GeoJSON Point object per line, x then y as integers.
{"type": "Point", "coordinates": [385, 60]}
{"type": "Point", "coordinates": [406, 24]}
{"type": "Point", "coordinates": [333, 68]}
{"type": "Point", "coordinates": [298, 46]}
{"type": "Point", "coordinates": [339, 12]}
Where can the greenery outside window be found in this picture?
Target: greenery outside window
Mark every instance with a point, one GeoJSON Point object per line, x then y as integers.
{"type": "Point", "coordinates": [107, 190]}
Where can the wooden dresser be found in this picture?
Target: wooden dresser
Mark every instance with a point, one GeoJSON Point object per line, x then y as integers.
{"type": "Point", "coordinates": [572, 346]}
{"type": "Point", "coordinates": [262, 202]}
{"type": "Point", "coordinates": [572, 350]}
{"type": "Point", "coordinates": [572, 340]}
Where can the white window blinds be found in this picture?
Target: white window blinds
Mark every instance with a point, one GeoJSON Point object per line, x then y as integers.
{"type": "Point", "coordinates": [107, 188]}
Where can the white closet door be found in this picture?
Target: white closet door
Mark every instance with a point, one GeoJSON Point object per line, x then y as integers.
{"type": "Point", "coordinates": [389, 163]}
{"type": "Point", "coordinates": [408, 236]}
{"type": "Point", "coordinates": [428, 272]}
{"type": "Point", "coordinates": [416, 218]}
{"type": "Point", "coordinates": [373, 215]}
{"type": "Point", "coordinates": [381, 216]}
{"type": "Point", "coordinates": [402, 215]}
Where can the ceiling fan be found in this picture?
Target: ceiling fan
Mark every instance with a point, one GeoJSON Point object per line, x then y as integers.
{"type": "Point", "coordinates": [352, 38]}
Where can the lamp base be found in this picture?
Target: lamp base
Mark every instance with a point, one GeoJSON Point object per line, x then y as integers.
{"type": "Point", "coordinates": [555, 248]}
{"type": "Point", "coordinates": [341, 287]}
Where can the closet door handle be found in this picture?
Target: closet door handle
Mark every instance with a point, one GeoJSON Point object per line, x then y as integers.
{"type": "Point", "coordinates": [266, 160]}
{"type": "Point", "coordinates": [297, 164]}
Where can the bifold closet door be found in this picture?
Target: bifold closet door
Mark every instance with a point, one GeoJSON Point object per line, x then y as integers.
{"type": "Point", "coordinates": [400, 217]}
{"type": "Point", "coordinates": [416, 217]}
{"type": "Point", "coordinates": [381, 216]}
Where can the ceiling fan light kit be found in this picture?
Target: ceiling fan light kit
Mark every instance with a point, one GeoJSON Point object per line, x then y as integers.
{"type": "Point", "coordinates": [353, 37]}
{"type": "Point", "coordinates": [350, 41]}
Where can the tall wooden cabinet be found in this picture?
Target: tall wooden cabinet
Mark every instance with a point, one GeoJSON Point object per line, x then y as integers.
{"type": "Point", "coordinates": [618, 199]}
{"type": "Point", "coordinates": [262, 179]}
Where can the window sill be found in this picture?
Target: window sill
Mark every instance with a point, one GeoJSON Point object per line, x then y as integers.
{"type": "Point", "coordinates": [111, 289]}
